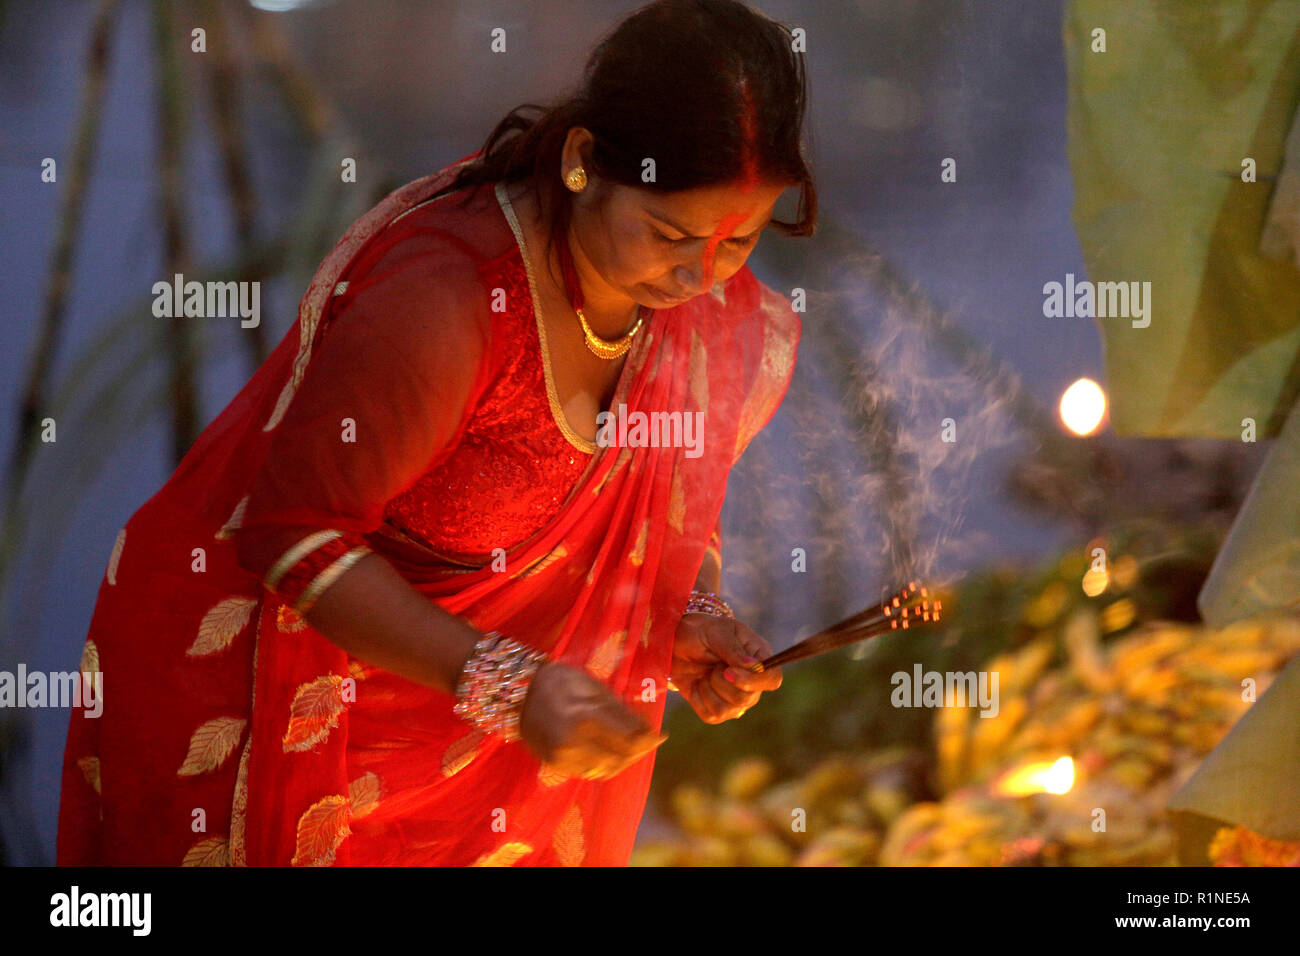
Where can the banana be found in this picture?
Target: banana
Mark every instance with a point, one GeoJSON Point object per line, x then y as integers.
{"type": "Point", "coordinates": [746, 779]}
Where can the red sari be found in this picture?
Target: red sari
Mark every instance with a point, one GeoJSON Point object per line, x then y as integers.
{"type": "Point", "coordinates": [409, 411]}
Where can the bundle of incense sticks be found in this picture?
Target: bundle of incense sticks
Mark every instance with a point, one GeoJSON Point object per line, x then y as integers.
{"type": "Point", "coordinates": [909, 607]}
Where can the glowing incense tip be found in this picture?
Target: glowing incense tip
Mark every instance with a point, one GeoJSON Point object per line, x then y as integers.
{"type": "Point", "coordinates": [864, 625]}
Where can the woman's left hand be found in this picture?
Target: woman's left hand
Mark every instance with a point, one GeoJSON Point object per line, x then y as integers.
{"type": "Point", "coordinates": [705, 651]}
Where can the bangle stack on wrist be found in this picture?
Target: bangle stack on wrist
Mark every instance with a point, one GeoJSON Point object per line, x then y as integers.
{"type": "Point", "coordinates": [490, 692]}
{"type": "Point", "coordinates": [706, 602]}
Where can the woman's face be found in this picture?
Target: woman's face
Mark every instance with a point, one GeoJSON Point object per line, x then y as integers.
{"type": "Point", "coordinates": [660, 249]}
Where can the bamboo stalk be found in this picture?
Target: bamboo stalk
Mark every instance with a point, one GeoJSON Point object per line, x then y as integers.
{"type": "Point", "coordinates": [182, 347]}
{"type": "Point", "coordinates": [223, 91]}
{"type": "Point", "coordinates": [69, 399]}
{"type": "Point", "coordinates": [59, 282]}
{"type": "Point", "coordinates": [314, 111]}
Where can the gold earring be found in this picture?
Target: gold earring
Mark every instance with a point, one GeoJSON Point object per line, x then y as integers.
{"type": "Point", "coordinates": [576, 180]}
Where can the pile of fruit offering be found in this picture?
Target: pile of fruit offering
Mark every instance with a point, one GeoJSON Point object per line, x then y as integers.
{"type": "Point", "coordinates": [1136, 716]}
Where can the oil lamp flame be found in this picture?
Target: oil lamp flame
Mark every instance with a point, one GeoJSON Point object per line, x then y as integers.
{"type": "Point", "coordinates": [1039, 777]}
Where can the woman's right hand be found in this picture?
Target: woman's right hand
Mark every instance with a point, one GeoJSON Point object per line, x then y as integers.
{"type": "Point", "coordinates": [578, 728]}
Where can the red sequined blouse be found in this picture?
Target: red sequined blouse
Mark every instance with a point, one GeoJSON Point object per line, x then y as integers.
{"type": "Point", "coordinates": [518, 457]}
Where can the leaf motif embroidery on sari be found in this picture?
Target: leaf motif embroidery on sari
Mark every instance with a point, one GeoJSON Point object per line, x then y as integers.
{"type": "Point", "coordinates": [548, 776]}
{"type": "Point", "coordinates": [90, 770]}
{"type": "Point", "coordinates": [506, 855]}
{"type": "Point", "coordinates": [677, 502]}
{"type": "Point", "coordinates": [89, 658]}
{"type": "Point", "coordinates": [289, 621]}
{"type": "Point", "coordinates": [315, 711]}
{"type": "Point", "coordinates": [115, 557]}
{"type": "Point", "coordinates": [774, 370]}
{"type": "Point", "coordinates": [211, 745]}
{"type": "Point", "coordinates": [213, 851]}
{"type": "Point", "coordinates": [221, 624]}
{"type": "Point", "coordinates": [320, 831]}
{"type": "Point", "coordinates": [568, 842]}
{"type": "Point", "coordinates": [542, 563]}
{"type": "Point", "coordinates": [637, 554]}
{"type": "Point", "coordinates": [364, 793]}
{"type": "Point", "coordinates": [234, 522]}
{"type": "Point", "coordinates": [645, 631]}
{"type": "Point", "coordinates": [461, 752]}
{"type": "Point", "coordinates": [699, 374]}
{"type": "Point", "coordinates": [624, 456]}
{"type": "Point", "coordinates": [602, 663]}
{"type": "Point", "coordinates": [778, 356]}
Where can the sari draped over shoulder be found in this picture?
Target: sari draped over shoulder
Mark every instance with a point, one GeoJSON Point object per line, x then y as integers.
{"type": "Point", "coordinates": [402, 414]}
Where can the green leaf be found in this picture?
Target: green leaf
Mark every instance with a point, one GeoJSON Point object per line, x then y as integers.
{"type": "Point", "coordinates": [1159, 125]}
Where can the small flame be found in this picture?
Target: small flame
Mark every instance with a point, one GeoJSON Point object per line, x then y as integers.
{"type": "Point", "coordinates": [1040, 777]}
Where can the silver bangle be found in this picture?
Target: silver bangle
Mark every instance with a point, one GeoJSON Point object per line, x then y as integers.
{"type": "Point", "coordinates": [706, 602]}
{"type": "Point", "coordinates": [491, 689]}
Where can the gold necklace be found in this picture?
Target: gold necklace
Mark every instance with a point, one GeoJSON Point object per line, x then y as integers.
{"type": "Point", "coordinates": [604, 348]}
{"type": "Point", "coordinates": [601, 348]}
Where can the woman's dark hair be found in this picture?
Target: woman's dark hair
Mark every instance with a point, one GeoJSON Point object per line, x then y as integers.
{"type": "Point", "coordinates": [705, 88]}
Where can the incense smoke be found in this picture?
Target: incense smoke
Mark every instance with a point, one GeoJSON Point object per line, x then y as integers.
{"type": "Point", "coordinates": [854, 468]}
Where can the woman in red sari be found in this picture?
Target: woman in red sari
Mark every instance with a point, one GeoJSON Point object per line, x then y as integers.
{"type": "Point", "coordinates": [411, 598]}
